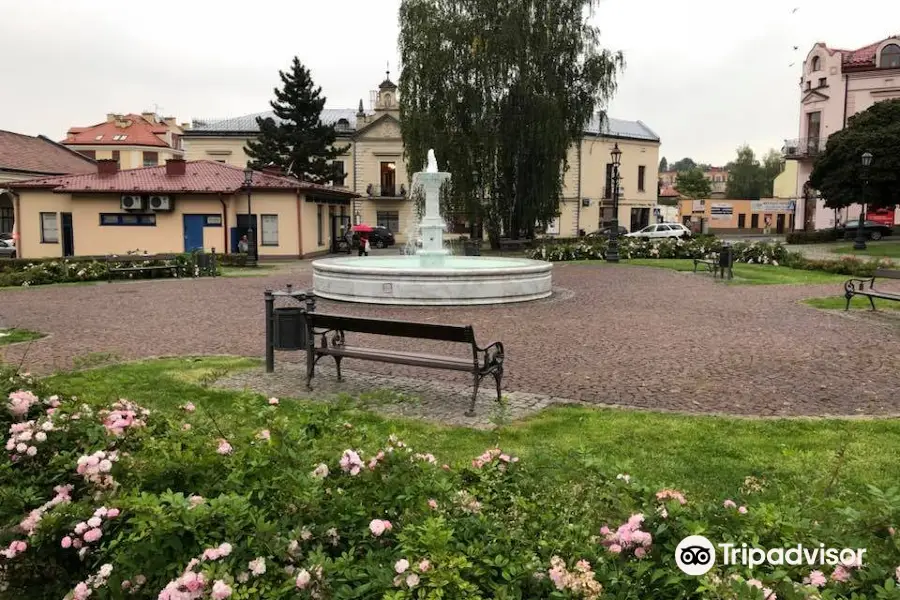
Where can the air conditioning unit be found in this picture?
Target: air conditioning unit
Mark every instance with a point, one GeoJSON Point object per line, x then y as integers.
{"type": "Point", "coordinates": [132, 203]}
{"type": "Point", "coordinates": [160, 203]}
{"type": "Point", "coordinates": [585, 201]}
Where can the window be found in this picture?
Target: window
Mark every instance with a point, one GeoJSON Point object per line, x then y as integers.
{"type": "Point", "coordinates": [754, 221]}
{"type": "Point", "coordinates": [339, 173]}
{"type": "Point", "coordinates": [808, 85]}
{"type": "Point", "coordinates": [6, 219]}
{"type": "Point", "coordinates": [388, 178]}
{"type": "Point", "coordinates": [816, 64]}
{"type": "Point", "coordinates": [319, 224]}
{"type": "Point", "coordinates": [742, 221]}
{"type": "Point", "coordinates": [115, 155]}
{"type": "Point", "coordinates": [607, 188]}
{"type": "Point", "coordinates": [890, 57]}
{"type": "Point", "coordinates": [128, 219]}
{"type": "Point", "coordinates": [389, 219]}
{"type": "Point", "coordinates": [119, 138]}
{"type": "Point", "coordinates": [49, 228]}
{"type": "Point", "coordinates": [641, 171]}
{"type": "Point", "coordinates": [92, 154]}
{"type": "Point", "coordinates": [269, 230]}
{"type": "Point", "coordinates": [151, 159]}
{"type": "Point", "coordinates": [823, 82]}
{"type": "Point", "coordinates": [661, 228]}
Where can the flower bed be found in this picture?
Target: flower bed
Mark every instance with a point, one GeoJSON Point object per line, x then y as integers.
{"type": "Point", "coordinates": [749, 252]}
{"type": "Point", "coordinates": [24, 272]}
{"type": "Point", "coordinates": [110, 500]}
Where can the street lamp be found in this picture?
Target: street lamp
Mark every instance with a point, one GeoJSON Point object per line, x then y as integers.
{"type": "Point", "coordinates": [612, 250]}
{"type": "Point", "coordinates": [251, 238]}
{"type": "Point", "coordinates": [860, 242]}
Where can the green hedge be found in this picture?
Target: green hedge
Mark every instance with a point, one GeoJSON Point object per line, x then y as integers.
{"type": "Point", "coordinates": [699, 247]}
{"type": "Point", "coordinates": [814, 237]}
{"type": "Point", "coordinates": [25, 272]}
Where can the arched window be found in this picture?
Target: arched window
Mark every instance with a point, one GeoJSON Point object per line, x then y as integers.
{"type": "Point", "coordinates": [816, 64]}
{"type": "Point", "coordinates": [890, 57]}
{"type": "Point", "coordinates": [342, 124]}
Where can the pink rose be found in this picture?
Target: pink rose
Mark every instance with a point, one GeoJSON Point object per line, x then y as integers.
{"type": "Point", "coordinates": [432, 504]}
{"type": "Point", "coordinates": [729, 504]}
{"type": "Point", "coordinates": [303, 578]}
{"type": "Point", "coordinates": [742, 510]}
{"type": "Point", "coordinates": [273, 401]}
{"type": "Point", "coordinates": [412, 580]}
{"type": "Point", "coordinates": [376, 526]}
{"type": "Point", "coordinates": [189, 407]}
{"type": "Point", "coordinates": [112, 513]}
{"type": "Point", "coordinates": [66, 542]}
{"type": "Point", "coordinates": [424, 565]}
{"type": "Point", "coordinates": [92, 535]}
{"type": "Point", "coordinates": [220, 590]}
{"type": "Point", "coordinates": [401, 565]}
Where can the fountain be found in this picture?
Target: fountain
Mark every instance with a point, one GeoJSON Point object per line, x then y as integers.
{"type": "Point", "coordinates": [432, 276]}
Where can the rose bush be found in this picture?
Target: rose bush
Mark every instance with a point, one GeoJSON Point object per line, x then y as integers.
{"type": "Point", "coordinates": [118, 501]}
{"type": "Point", "coordinates": [595, 249]}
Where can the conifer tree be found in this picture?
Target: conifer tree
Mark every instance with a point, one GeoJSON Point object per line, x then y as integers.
{"type": "Point", "coordinates": [297, 141]}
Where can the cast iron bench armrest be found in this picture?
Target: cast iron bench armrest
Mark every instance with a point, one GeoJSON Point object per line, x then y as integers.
{"type": "Point", "coordinates": [856, 286]}
{"type": "Point", "coordinates": [493, 356]}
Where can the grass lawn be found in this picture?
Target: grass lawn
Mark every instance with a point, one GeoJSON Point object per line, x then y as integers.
{"type": "Point", "coordinates": [839, 302]}
{"type": "Point", "coordinates": [257, 271]}
{"type": "Point", "coordinates": [889, 249]}
{"type": "Point", "coordinates": [744, 274]}
{"type": "Point", "coordinates": [706, 456]}
{"type": "Point", "coordinates": [14, 336]}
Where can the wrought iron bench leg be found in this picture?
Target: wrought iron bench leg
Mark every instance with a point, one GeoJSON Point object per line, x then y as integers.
{"type": "Point", "coordinates": [471, 411]}
{"type": "Point", "coordinates": [498, 377]}
{"type": "Point", "coordinates": [849, 297]}
{"type": "Point", "coordinates": [310, 366]}
{"type": "Point", "coordinates": [872, 302]}
{"type": "Point", "coordinates": [337, 364]}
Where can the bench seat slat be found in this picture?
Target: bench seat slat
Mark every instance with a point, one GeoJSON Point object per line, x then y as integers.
{"type": "Point", "coordinates": [887, 273]}
{"type": "Point", "coordinates": [878, 294]}
{"type": "Point", "coordinates": [428, 331]}
{"type": "Point", "coordinates": [404, 358]}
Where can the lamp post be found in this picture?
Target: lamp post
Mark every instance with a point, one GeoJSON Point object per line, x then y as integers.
{"type": "Point", "coordinates": [612, 250]}
{"type": "Point", "coordinates": [860, 242]}
{"type": "Point", "coordinates": [251, 238]}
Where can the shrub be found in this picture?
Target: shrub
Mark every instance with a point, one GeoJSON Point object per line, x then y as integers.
{"type": "Point", "coordinates": [840, 265]}
{"type": "Point", "coordinates": [813, 237]}
{"type": "Point", "coordinates": [117, 501]}
{"type": "Point", "coordinates": [750, 252]}
{"type": "Point", "coordinates": [25, 272]}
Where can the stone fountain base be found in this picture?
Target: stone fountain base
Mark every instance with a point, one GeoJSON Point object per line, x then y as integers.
{"type": "Point", "coordinates": [404, 280]}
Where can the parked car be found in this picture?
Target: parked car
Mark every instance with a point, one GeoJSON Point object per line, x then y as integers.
{"type": "Point", "coordinates": [662, 230]}
{"type": "Point", "coordinates": [871, 229]}
{"type": "Point", "coordinates": [603, 232]}
{"type": "Point", "coordinates": [379, 237]}
{"type": "Point", "coordinates": [7, 249]}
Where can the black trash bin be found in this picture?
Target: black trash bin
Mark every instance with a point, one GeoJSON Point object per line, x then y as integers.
{"type": "Point", "coordinates": [290, 328]}
{"type": "Point", "coordinates": [471, 248]}
{"type": "Point", "coordinates": [726, 260]}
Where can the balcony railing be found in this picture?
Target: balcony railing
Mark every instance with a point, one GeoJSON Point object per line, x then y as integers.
{"type": "Point", "coordinates": [804, 147]}
{"type": "Point", "coordinates": [386, 191]}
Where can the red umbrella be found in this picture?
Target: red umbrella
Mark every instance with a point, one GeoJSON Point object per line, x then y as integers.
{"type": "Point", "coordinates": [362, 228]}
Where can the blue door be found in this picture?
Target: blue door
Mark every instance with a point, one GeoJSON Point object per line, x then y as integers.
{"type": "Point", "coordinates": [193, 232]}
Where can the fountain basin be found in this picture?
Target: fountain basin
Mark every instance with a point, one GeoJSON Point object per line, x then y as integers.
{"type": "Point", "coordinates": [459, 280]}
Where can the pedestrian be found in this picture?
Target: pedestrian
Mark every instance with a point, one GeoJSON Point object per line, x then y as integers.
{"type": "Point", "coordinates": [363, 244]}
{"type": "Point", "coordinates": [243, 245]}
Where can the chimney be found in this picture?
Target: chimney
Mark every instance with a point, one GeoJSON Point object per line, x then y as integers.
{"type": "Point", "coordinates": [107, 166]}
{"type": "Point", "coordinates": [149, 116]}
{"type": "Point", "coordinates": [175, 166]}
{"type": "Point", "coordinates": [170, 121]}
{"type": "Point", "coordinates": [110, 117]}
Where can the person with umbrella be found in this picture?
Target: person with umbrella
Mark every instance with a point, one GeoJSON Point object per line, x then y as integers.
{"type": "Point", "coordinates": [363, 231]}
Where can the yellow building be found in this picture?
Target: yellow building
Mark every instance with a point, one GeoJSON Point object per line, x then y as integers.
{"type": "Point", "coordinates": [717, 177]}
{"type": "Point", "coordinates": [133, 141]}
{"type": "Point", "coordinates": [179, 207]}
{"type": "Point", "coordinates": [715, 215]}
{"type": "Point", "coordinates": [375, 168]}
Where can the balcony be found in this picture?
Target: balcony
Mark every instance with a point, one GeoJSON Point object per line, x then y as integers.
{"type": "Point", "coordinates": [804, 147]}
{"type": "Point", "coordinates": [393, 192]}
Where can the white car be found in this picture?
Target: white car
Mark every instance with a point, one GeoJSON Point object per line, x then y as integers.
{"type": "Point", "coordinates": [662, 230]}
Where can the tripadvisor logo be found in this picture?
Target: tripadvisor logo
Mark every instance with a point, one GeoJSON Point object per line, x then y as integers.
{"type": "Point", "coordinates": [695, 555]}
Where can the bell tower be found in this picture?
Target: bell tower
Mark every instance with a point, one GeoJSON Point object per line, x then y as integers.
{"type": "Point", "coordinates": [387, 94]}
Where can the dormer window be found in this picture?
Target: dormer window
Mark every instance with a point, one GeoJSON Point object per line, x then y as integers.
{"type": "Point", "coordinates": [816, 64]}
{"type": "Point", "coordinates": [342, 124]}
{"type": "Point", "coordinates": [890, 57]}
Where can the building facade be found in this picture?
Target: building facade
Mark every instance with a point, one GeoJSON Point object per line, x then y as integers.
{"type": "Point", "coordinates": [132, 140]}
{"type": "Point", "coordinates": [715, 215]}
{"type": "Point", "coordinates": [835, 85]}
{"type": "Point", "coordinates": [717, 176]}
{"type": "Point", "coordinates": [179, 207]}
{"type": "Point", "coordinates": [375, 168]}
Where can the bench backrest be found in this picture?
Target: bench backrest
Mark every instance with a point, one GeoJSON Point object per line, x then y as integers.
{"type": "Point", "coordinates": [411, 329]}
{"type": "Point", "coordinates": [887, 273]}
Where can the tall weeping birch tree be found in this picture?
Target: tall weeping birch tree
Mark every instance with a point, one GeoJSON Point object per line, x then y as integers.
{"type": "Point", "coordinates": [501, 89]}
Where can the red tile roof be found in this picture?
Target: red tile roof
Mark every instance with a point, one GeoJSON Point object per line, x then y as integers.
{"type": "Point", "coordinates": [40, 156]}
{"type": "Point", "coordinates": [201, 177]}
{"type": "Point", "coordinates": [861, 57]}
{"type": "Point", "coordinates": [669, 192]}
{"type": "Point", "coordinates": [139, 132]}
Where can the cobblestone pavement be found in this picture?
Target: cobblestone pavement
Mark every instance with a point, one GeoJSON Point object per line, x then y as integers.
{"type": "Point", "coordinates": [619, 335]}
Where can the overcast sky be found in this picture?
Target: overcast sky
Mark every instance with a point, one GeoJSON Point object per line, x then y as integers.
{"type": "Point", "coordinates": [706, 77]}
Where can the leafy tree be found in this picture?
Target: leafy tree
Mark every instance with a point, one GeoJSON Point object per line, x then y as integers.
{"type": "Point", "coordinates": [501, 92]}
{"type": "Point", "coordinates": [838, 172]}
{"type": "Point", "coordinates": [663, 165]}
{"type": "Point", "coordinates": [772, 166]}
{"type": "Point", "coordinates": [746, 179]}
{"type": "Point", "coordinates": [693, 184]}
{"type": "Point", "coordinates": [299, 143]}
{"type": "Point", "coordinates": [685, 164]}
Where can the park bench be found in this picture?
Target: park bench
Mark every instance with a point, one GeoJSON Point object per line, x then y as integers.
{"type": "Point", "coordinates": [331, 331]}
{"type": "Point", "coordinates": [866, 287]}
{"type": "Point", "coordinates": [508, 244]}
{"type": "Point", "coordinates": [126, 264]}
{"type": "Point", "coordinates": [716, 264]}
